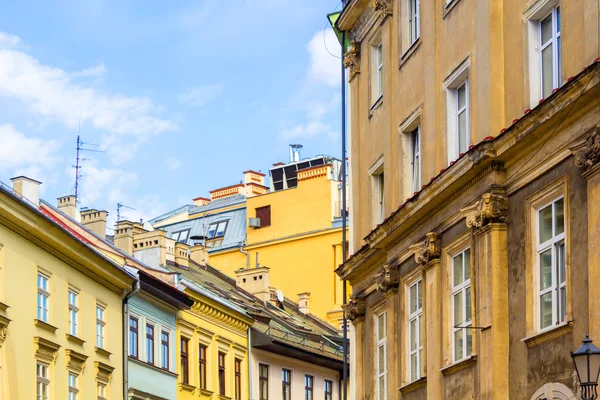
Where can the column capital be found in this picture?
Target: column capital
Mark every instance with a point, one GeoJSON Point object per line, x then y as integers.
{"type": "Point", "coordinates": [386, 7]}
{"type": "Point", "coordinates": [492, 207]}
{"type": "Point", "coordinates": [388, 278]}
{"type": "Point", "coordinates": [429, 249]}
{"type": "Point", "coordinates": [587, 153]}
{"type": "Point", "coordinates": [352, 59]}
{"type": "Point", "coordinates": [355, 308]}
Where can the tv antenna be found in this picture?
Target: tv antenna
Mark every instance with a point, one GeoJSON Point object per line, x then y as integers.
{"type": "Point", "coordinates": [119, 206]}
{"type": "Point", "coordinates": [78, 159]}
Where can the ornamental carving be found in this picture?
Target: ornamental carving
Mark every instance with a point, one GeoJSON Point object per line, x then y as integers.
{"type": "Point", "coordinates": [588, 154]}
{"type": "Point", "coordinates": [355, 308]}
{"type": "Point", "coordinates": [428, 250]}
{"type": "Point", "coordinates": [103, 372]}
{"type": "Point", "coordinates": [45, 350]}
{"type": "Point", "coordinates": [75, 361]}
{"type": "Point", "coordinates": [493, 207]}
{"type": "Point", "coordinates": [352, 59]}
{"type": "Point", "coordinates": [3, 329]}
{"type": "Point", "coordinates": [383, 6]}
{"type": "Point", "coordinates": [388, 278]}
{"type": "Point", "coordinates": [219, 317]}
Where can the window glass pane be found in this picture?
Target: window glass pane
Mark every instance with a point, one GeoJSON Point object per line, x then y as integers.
{"type": "Point", "coordinates": [546, 29]}
{"type": "Point", "coordinates": [545, 224]}
{"type": "Point", "coordinates": [462, 98]}
{"type": "Point", "coordinates": [547, 77]}
{"type": "Point", "coordinates": [462, 132]}
{"type": "Point", "coordinates": [458, 344]}
{"type": "Point", "coordinates": [546, 310]}
{"type": "Point", "coordinates": [469, 333]}
{"type": "Point", "coordinates": [559, 209]}
{"type": "Point", "coordinates": [546, 269]}
{"type": "Point", "coordinates": [467, 263]}
{"type": "Point", "coordinates": [558, 19]}
{"type": "Point", "coordinates": [458, 307]}
{"type": "Point", "coordinates": [468, 303]}
{"type": "Point", "coordinates": [221, 228]}
{"type": "Point", "coordinates": [413, 298]}
{"type": "Point", "coordinates": [419, 295]}
{"type": "Point", "coordinates": [563, 304]}
{"type": "Point", "coordinates": [458, 269]}
{"type": "Point", "coordinates": [413, 334]}
{"type": "Point", "coordinates": [562, 272]}
{"type": "Point", "coordinates": [382, 387]}
{"type": "Point", "coordinates": [381, 326]}
{"type": "Point", "coordinates": [212, 228]}
{"type": "Point", "coordinates": [559, 72]}
{"type": "Point", "coordinates": [413, 366]}
{"type": "Point", "coordinates": [381, 358]}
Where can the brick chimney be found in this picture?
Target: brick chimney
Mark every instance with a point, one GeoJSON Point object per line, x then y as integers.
{"type": "Point", "coordinates": [124, 233]}
{"type": "Point", "coordinates": [27, 188]}
{"type": "Point", "coordinates": [254, 183]}
{"type": "Point", "coordinates": [199, 254]}
{"type": "Point", "coordinates": [254, 281]}
{"type": "Point", "coordinates": [181, 254]}
{"type": "Point", "coordinates": [303, 302]}
{"type": "Point", "coordinates": [150, 247]}
{"type": "Point", "coordinates": [201, 201]}
{"type": "Point", "coordinates": [68, 205]}
{"type": "Point", "coordinates": [95, 221]}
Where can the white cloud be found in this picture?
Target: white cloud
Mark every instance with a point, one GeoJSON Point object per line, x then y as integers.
{"type": "Point", "coordinates": [98, 70]}
{"type": "Point", "coordinates": [18, 151]}
{"type": "Point", "coordinates": [309, 130]}
{"type": "Point", "coordinates": [8, 41]}
{"type": "Point", "coordinates": [325, 51]}
{"type": "Point", "coordinates": [199, 96]}
{"type": "Point", "coordinates": [173, 163]}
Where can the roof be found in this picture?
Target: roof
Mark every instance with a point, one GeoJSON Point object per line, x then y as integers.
{"type": "Point", "coordinates": [219, 203]}
{"type": "Point", "coordinates": [176, 211]}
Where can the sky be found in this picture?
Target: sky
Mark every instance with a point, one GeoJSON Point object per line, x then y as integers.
{"type": "Point", "coordinates": [181, 96]}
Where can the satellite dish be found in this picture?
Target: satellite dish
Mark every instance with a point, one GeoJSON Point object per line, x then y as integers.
{"type": "Point", "coordinates": [279, 296]}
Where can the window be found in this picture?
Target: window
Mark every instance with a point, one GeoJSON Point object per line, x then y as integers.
{"type": "Point", "coordinates": [73, 310]}
{"type": "Point", "coordinates": [73, 386]}
{"type": "Point", "coordinates": [101, 391]}
{"type": "Point", "coordinates": [100, 324]}
{"type": "Point", "coordinates": [462, 117]}
{"type": "Point", "coordinates": [552, 290]}
{"type": "Point", "coordinates": [185, 375]}
{"type": "Point", "coordinates": [238, 379]}
{"type": "Point", "coordinates": [379, 196]}
{"type": "Point", "coordinates": [264, 213]}
{"type": "Point", "coordinates": [376, 72]}
{"type": "Point", "coordinates": [415, 162]}
{"type": "Point", "coordinates": [150, 344]}
{"type": "Point", "coordinates": [222, 374]}
{"type": "Point", "coordinates": [286, 384]}
{"type": "Point", "coordinates": [263, 382]}
{"type": "Point", "coordinates": [414, 20]}
{"type": "Point", "coordinates": [308, 387]}
{"type": "Point", "coordinates": [43, 297]}
{"type": "Point", "coordinates": [133, 337]}
{"type": "Point", "coordinates": [164, 350]}
{"type": "Point", "coordinates": [202, 362]}
{"type": "Point", "coordinates": [381, 357]}
{"type": "Point", "coordinates": [549, 34]}
{"type": "Point", "coordinates": [43, 382]}
{"type": "Point", "coordinates": [461, 305]}
{"type": "Point", "coordinates": [458, 111]}
{"type": "Point", "coordinates": [181, 236]}
{"type": "Point", "coordinates": [415, 331]}
{"type": "Point", "coordinates": [328, 390]}
{"type": "Point", "coordinates": [217, 229]}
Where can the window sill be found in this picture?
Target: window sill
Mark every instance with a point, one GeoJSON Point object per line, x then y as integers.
{"type": "Point", "coordinates": [75, 339]}
{"type": "Point", "coordinates": [186, 387]}
{"type": "Point", "coordinates": [449, 7]}
{"type": "Point", "coordinates": [152, 366]}
{"type": "Point", "coordinates": [103, 352]}
{"type": "Point", "coordinates": [376, 105]}
{"type": "Point", "coordinates": [206, 392]}
{"type": "Point", "coordinates": [411, 387]}
{"type": "Point", "coordinates": [223, 397]}
{"type": "Point", "coordinates": [44, 325]}
{"type": "Point", "coordinates": [3, 307]}
{"type": "Point", "coordinates": [549, 335]}
{"type": "Point", "coordinates": [407, 55]}
{"type": "Point", "coordinates": [459, 365]}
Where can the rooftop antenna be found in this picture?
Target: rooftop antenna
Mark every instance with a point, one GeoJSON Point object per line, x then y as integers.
{"type": "Point", "coordinates": [78, 159]}
{"type": "Point", "coordinates": [119, 206]}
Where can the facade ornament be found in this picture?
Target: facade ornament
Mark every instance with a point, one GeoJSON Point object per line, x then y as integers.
{"type": "Point", "coordinates": [75, 361]}
{"type": "Point", "coordinates": [45, 350]}
{"type": "Point", "coordinates": [428, 250]}
{"type": "Point", "coordinates": [355, 308]}
{"type": "Point", "coordinates": [588, 154]}
{"type": "Point", "coordinates": [388, 278]}
{"type": "Point", "coordinates": [492, 207]}
{"type": "Point", "coordinates": [384, 6]}
{"type": "Point", "coordinates": [103, 372]}
{"type": "Point", "coordinates": [352, 59]}
{"type": "Point", "coordinates": [3, 334]}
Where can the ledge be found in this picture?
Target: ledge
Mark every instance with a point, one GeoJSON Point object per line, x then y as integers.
{"type": "Point", "coordinates": [412, 386]}
{"type": "Point", "coordinates": [44, 325]}
{"type": "Point", "coordinates": [186, 387]}
{"type": "Point", "coordinates": [75, 339]}
{"type": "Point", "coordinates": [549, 335]}
{"type": "Point", "coordinates": [206, 392]}
{"type": "Point", "coordinates": [459, 365]}
{"type": "Point", "coordinates": [3, 307]}
{"type": "Point", "coordinates": [152, 366]}
{"type": "Point", "coordinates": [375, 106]}
{"type": "Point", "coordinates": [103, 352]}
{"type": "Point", "coordinates": [223, 397]}
{"type": "Point", "coordinates": [412, 49]}
{"type": "Point", "coordinates": [448, 7]}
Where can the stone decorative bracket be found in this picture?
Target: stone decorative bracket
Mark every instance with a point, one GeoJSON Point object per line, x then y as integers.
{"type": "Point", "coordinates": [45, 350]}
{"type": "Point", "coordinates": [352, 59]}
{"type": "Point", "coordinates": [389, 278]}
{"type": "Point", "coordinates": [385, 7]}
{"type": "Point", "coordinates": [355, 308]}
{"type": "Point", "coordinates": [3, 328]}
{"type": "Point", "coordinates": [103, 372]}
{"type": "Point", "coordinates": [75, 361]}
{"type": "Point", "coordinates": [428, 250]}
{"type": "Point", "coordinates": [587, 154]}
{"type": "Point", "coordinates": [492, 207]}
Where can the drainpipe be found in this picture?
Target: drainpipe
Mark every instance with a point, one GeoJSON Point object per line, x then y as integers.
{"type": "Point", "coordinates": [134, 290]}
{"type": "Point", "coordinates": [247, 255]}
{"type": "Point", "coordinates": [250, 362]}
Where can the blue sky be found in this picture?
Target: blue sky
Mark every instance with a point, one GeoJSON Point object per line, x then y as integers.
{"type": "Point", "coordinates": [182, 96]}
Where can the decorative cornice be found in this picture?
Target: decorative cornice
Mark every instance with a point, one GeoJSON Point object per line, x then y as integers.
{"type": "Point", "coordinates": [45, 350]}
{"type": "Point", "coordinates": [3, 329]}
{"type": "Point", "coordinates": [385, 7]}
{"type": "Point", "coordinates": [363, 24]}
{"type": "Point", "coordinates": [388, 279]}
{"type": "Point", "coordinates": [352, 59]}
{"type": "Point", "coordinates": [219, 317]}
{"type": "Point", "coordinates": [493, 207]}
{"type": "Point", "coordinates": [429, 249]}
{"type": "Point", "coordinates": [75, 361]}
{"type": "Point", "coordinates": [355, 308]}
{"type": "Point", "coordinates": [103, 372]}
{"type": "Point", "coordinates": [587, 154]}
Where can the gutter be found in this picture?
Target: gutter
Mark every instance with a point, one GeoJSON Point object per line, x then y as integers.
{"type": "Point", "coordinates": [249, 363]}
{"type": "Point", "coordinates": [247, 255]}
{"type": "Point", "coordinates": [134, 290]}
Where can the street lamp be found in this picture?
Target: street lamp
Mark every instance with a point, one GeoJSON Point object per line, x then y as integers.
{"type": "Point", "coordinates": [587, 366]}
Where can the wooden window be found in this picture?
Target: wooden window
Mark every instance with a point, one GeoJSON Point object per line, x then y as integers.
{"type": "Point", "coordinates": [43, 382]}
{"type": "Point", "coordinates": [309, 381]}
{"type": "Point", "coordinates": [415, 331]}
{"type": "Point", "coordinates": [43, 297]}
{"type": "Point", "coordinates": [202, 363]}
{"type": "Point", "coordinates": [185, 375]}
{"type": "Point", "coordinates": [133, 337]}
{"type": "Point", "coordinates": [376, 72]}
{"type": "Point", "coordinates": [264, 213]}
{"type": "Point", "coordinates": [328, 390]}
{"type": "Point", "coordinates": [149, 344]}
{"type": "Point", "coordinates": [549, 28]}
{"type": "Point", "coordinates": [263, 382]}
{"type": "Point", "coordinates": [100, 325]}
{"type": "Point", "coordinates": [72, 297]}
{"type": "Point", "coordinates": [222, 374]}
{"type": "Point", "coordinates": [164, 349]}
{"type": "Point", "coordinates": [238, 379]}
{"type": "Point", "coordinates": [286, 383]}
{"type": "Point", "coordinates": [462, 342]}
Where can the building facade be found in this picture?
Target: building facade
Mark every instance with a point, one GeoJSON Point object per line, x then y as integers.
{"type": "Point", "coordinates": [474, 163]}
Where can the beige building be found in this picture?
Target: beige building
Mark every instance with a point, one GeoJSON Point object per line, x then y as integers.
{"type": "Point", "coordinates": [474, 150]}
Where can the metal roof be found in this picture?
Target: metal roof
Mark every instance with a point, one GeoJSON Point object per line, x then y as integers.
{"type": "Point", "coordinates": [176, 211]}
{"type": "Point", "coordinates": [220, 203]}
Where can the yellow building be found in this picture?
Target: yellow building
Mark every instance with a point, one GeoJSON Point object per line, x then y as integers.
{"type": "Point", "coordinates": [294, 227]}
{"type": "Point", "coordinates": [60, 307]}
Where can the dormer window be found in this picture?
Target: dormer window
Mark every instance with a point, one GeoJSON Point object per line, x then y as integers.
{"type": "Point", "coordinates": [217, 229]}
{"type": "Point", "coordinates": [181, 236]}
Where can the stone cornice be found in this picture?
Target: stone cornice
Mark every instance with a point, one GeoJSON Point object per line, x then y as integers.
{"type": "Point", "coordinates": [4, 322]}
{"type": "Point", "coordinates": [219, 317]}
{"type": "Point", "coordinates": [385, 7]}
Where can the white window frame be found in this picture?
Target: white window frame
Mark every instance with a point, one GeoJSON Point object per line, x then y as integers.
{"type": "Point", "coordinates": [42, 381]}
{"type": "Point", "coordinates": [554, 244]}
{"type": "Point", "coordinates": [414, 21]}
{"type": "Point", "coordinates": [415, 159]}
{"type": "Point", "coordinates": [43, 297]}
{"type": "Point", "coordinates": [459, 112]}
{"type": "Point", "coordinates": [553, 41]}
{"type": "Point", "coordinates": [100, 325]}
{"type": "Point", "coordinates": [376, 71]}
{"type": "Point", "coordinates": [462, 287]}
{"type": "Point", "coordinates": [73, 385]}
{"type": "Point", "coordinates": [417, 317]}
{"type": "Point", "coordinates": [101, 389]}
{"type": "Point", "coordinates": [380, 181]}
{"type": "Point", "coordinates": [73, 300]}
{"type": "Point", "coordinates": [452, 83]}
{"type": "Point", "coordinates": [382, 342]}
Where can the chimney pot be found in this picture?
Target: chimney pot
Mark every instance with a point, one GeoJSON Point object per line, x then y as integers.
{"type": "Point", "coordinates": [303, 302]}
{"type": "Point", "coordinates": [68, 205]}
{"type": "Point", "coordinates": [255, 281]}
{"type": "Point", "coordinates": [95, 221]}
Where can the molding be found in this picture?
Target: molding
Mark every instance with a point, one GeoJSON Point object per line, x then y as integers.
{"type": "Point", "coordinates": [219, 317]}
{"type": "Point", "coordinates": [449, 7]}
{"type": "Point", "coordinates": [3, 307]}
{"type": "Point", "coordinates": [547, 336]}
{"type": "Point", "coordinates": [412, 386]}
{"type": "Point", "coordinates": [459, 365]}
{"type": "Point", "coordinates": [407, 55]}
{"type": "Point", "coordinates": [4, 322]}
{"type": "Point", "coordinates": [388, 278]}
{"type": "Point", "coordinates": [75, 339]}
{"type": "Point", "coordinates": [45, 350]}
{"type": "Point", "coordinates": [352, 60]}
{"type": "Point", "coordinates": [186, 387]}
{"type": "Point", "coordinates": [363, 24]}
{"type": "Point", "coordinates": [384, 7]}
{"type": "Point", "coordinates": [44, 325]}
{"type": "Point", "coordinates": [587, 154]}
{"type": "Point", "coordinates": [428, 250]}
{"type": "Point", "coordinates": [206, 392]}
{"type": "Point", "coordinates": [103, 352]}
{"type": "Point", "coordinates": [75, 361]}
{"type": "Point", "coordinates": [491, 208]}
{"type": "Point", "coordinates": [223, 340]}
{"type": "Point", "coordinates": [355, 309]}
{"type": "Point", "coordinates": [103, 372]}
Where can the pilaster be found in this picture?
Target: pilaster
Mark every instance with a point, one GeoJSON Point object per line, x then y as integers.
{"type": "Point", "coordinates": [433, 340]}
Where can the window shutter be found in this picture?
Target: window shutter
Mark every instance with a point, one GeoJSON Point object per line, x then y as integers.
{"type": "Point", "coordinates": [264, 213]}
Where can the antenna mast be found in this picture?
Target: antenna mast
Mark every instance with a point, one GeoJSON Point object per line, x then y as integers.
{"type": "Point", "coordinates": [79, 160]}
{"type": "Point", "coordinates": [119, 206]}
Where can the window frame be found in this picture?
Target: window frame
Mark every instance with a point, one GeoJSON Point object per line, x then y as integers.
{"type": "Point", "coordinates": [134, 333]}
{"type": "Point", "coordinates": [457, 79]}
{"type": "Point", "coordinates": [237, 383]}
{"type": "Point", "coordinates": [328, 389]}
{"type": "Point", "coordinates": [465, 324]}
{"type": "Point", "coordinates": [202, 350]}
{"type": "Point", "coordinates": [73, 301]}
{"type": "Point", "coordinates": [554, 41]}
{"type": "Point", "coordinates": [216, 224]}
{"type": "Point", "coordinates": [73, 389]}
{"type": "Point", "coordinates": [286, 384]}
{"type": "Point", "coordinates": [42, 381]}
{"type": "Point", "coordinates": [222, 372]}
{"type": "Point", "coordinates": [150, 340]}
{"type": "Point", "coordinates": [376, 70]}
{"type": "Point", "coordinates": [414, 21]}
{"type": "Point", "coordinates": [164, 349]}
{"type": "Point", "coordinates": [416, 316]}
{"type": "Point", "coordinates": [184, 362]}
{"type": "Point", "coordinates": [100, 326]}
{"type": "Point", "coordinates": [179, 233]}
{"type": "Point", "coordinates": [101, 391]}
{"type": "Point", "coordinates": [459, 111]}
{"type": "Point", "coordinates": [382, 343]}
{"type": "Point", "coordinates": [415, 159]}
{"type": "Point", "coordinates": [309, 387]}
{"type": "Point", "coordinates": [43, 293]}
{"type": "Point", "coordinates": [267, 210]}
{"type": "Point", "coordinates": [262, 378]}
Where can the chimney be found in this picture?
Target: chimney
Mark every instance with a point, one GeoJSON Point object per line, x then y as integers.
{"type": "Point", "coordinates": [123, 235]}
{"type": "Point", "coordinates": [255, 281]}
{"type": "Point", "coordinates": [199, 254]}
{"type": "Point", "coordinates": [95, 221]}
{"type": "Point", "coordinates": [303, 304]}
{"type": "Point", "coordinates": [68, 205]}
{"type": "Point", "coordinates": [201, 201]}
{"type": "Point", "coordinates": [27, 188]}
{"type": "Point", "coordinates": [151, 247]}
{"type": "Point", "coordinates": [181, 254]}
{"type": "Point", "coordinates": [295, 152]}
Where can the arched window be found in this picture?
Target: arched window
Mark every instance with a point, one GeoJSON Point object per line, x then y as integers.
{"type": "Point", "coordinates": [553, 391]}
